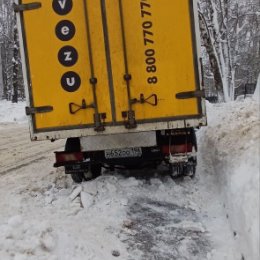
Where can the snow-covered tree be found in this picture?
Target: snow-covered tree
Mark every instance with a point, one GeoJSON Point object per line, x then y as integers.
{"type": "Point", "coordinates": [9, 47]}
{"type": "Point", "coordinates": [230, 35]}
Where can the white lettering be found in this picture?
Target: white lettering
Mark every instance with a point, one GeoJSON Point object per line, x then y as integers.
{"type": "Point", "coordinates": [70, 81]}
{"type": "Point", "coordinates": [62, 3]}
{"type": "Point", "coordinates": [65, 30]}
{"type": "Point", "coordinates": [68, 56]}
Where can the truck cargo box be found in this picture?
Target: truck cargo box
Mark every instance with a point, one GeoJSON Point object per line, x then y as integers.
{"type": "Point", "coordinates": [99, 67]}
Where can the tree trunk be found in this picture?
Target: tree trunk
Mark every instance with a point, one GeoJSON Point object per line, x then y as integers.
{"type": "Point", "coordinates": [206, 39]}
{"type": "Point", "coordinates": [15, 67]}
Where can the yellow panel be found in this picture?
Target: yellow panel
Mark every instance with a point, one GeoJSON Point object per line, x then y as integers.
{"type": "Point", "coordinates": [163, 30]}
{"type": "Point", "coordinates": [159, 51]}
{"type": "Point", "coordinates": [46, 71]}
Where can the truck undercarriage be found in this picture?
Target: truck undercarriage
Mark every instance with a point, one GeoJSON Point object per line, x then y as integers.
{"type": "Point", "coordinates": [175, 148]}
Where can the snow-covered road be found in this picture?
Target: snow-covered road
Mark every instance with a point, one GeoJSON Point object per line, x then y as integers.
{"type": "Point", "coordinates": [116, 216]}
{"type": "Point", "coordinates": [143, 215]}
{"type": "Point", "coordinates": [16, 149]}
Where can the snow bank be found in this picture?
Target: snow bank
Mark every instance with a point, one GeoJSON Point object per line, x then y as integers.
{"type": "Point", "coordinates": [12, 112]}
{"type": "Point", "coordinates": [232, 143]}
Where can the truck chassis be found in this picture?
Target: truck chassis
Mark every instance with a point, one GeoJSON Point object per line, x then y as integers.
{"type": "Point", "coordinates": [175, 148]}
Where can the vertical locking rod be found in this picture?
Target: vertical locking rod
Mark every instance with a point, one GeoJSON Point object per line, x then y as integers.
{"type": "Point", "coordinates": [99, 126]}
{"type": "Point", "coordinates": [127, 77]}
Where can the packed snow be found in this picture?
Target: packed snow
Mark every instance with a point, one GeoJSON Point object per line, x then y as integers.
{"type": "Point", "coordinates": [136, 215]}
{"type": "Point", "coordinates": [231, 145]}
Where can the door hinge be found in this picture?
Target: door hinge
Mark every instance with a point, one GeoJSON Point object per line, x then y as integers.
{"type": "Point", "coordinates": [129, 116]}
{"type": "Point", "coordinates": [191, 94]}
{"type": "Point", "coordinates": [27, 7]}
{"type": "Point", "coordinates": [38, 110]}
{"type": "Point", "coordinates": [129, 119]}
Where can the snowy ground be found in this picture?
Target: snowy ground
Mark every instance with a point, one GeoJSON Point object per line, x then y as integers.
{"type": "Point", "coordinates": [231, 145]}
{"type": "Point", "coordinates": [10, 112]}
{"type": "Point", "coordinates": [142, 216]}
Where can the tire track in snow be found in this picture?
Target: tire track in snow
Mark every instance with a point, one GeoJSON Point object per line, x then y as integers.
{"type": "Point", "coordinates": [17, 167]}
{"type": "Point", "coordinates": [164, 230]}
{"type": "Point", "coordinates": [17, 150]}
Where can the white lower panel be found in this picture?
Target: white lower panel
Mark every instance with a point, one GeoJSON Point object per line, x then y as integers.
{"type": "Point", "coordinates": [117, 130]}
{"type": "Point", "coordinates": [96, 143]}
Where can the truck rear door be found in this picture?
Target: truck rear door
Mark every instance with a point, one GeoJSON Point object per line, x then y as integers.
{"type": "Point", "coordinates": [107, 66]}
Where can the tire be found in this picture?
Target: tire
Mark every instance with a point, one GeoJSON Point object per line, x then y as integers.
{"type": "Point", "coordinates": [193, 171]}
{"type": "Point", "coordinates": [77, 177]}
{"type": "Point", "coordinates": [177, 171]}
{"type": "Point", "coordinates": [73, 145]}
{"type": "Point", "coordinates": [190, 171]}
{"type": "Point", "coordinates": [96, 170]}
{"type": "Point", "coordinates": [174, 171]}
{"type": "Point", "coordinates": [193, 168]}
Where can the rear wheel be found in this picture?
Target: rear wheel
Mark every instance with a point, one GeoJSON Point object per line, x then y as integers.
{"type": "Point", "coordinates": [191, 171]}
{"type": "Point", "coordinates": [182, 170]}
{"type": "Point", "coordinates": [93, 173]}
{"type": "Point", "coordinates": [73, 145]}
{"type": "Point", "coordinates": [191, 168]}
{"type": "Point", "coordinates": [175, 170]}
{"type": "Point", "coordinates": [77, 177]}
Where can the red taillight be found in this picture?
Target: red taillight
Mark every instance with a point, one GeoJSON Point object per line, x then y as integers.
{"type": "Point", "coordinates": [62, 157]}
{"type": "Point", "coordinates": [177, 148]}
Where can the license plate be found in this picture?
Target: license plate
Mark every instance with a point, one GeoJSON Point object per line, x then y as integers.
{"type": "Point", "coordinates": [123, 153]}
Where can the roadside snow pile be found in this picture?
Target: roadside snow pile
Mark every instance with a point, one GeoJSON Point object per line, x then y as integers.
{"type": "Point", "coordinates": [231, 143]}
{"type": "Point", "coordinates": [12, 112]}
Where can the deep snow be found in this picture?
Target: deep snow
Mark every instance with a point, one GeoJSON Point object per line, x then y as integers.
{"type": "Point", "coordinates": [231, 145]}
{"type": "Point", "coordinates": [141, 216]}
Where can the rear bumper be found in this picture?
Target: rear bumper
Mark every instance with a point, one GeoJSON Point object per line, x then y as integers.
{"type": "Point", "coordinates": [149, 154]}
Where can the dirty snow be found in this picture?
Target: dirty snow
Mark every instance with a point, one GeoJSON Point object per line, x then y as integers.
{"type": "Point", "coordinates": [140, 215]}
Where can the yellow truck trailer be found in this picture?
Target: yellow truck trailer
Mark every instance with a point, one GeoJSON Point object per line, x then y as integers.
{"type": "Point", "coordinates": [117, 78]}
